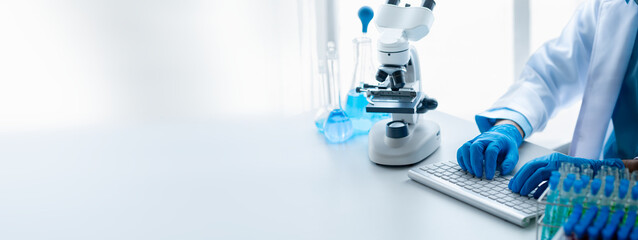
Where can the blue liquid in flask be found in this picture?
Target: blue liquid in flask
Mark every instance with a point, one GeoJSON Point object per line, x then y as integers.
{"type": "Point", "coordinates": [338, 127]}
{"type": "Point", "coordinates": [362, 121]}
{"type": "Point", "coordinates": [319, 124]}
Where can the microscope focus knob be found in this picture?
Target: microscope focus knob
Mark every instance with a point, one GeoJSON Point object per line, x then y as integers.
{"type": "Point", "coordinates": [396, 129]}
{"type": "Point", "coordinates": [426, 105]}
{"type": "Point", "coordinates": [431, 103]}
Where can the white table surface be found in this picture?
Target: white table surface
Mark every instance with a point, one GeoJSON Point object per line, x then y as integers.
{"type": "Point", "coordinates": [226, 179]}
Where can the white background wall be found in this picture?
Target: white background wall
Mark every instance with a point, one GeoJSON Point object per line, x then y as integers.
{"type": "Point", "coordinates": [68, 63]}
{"type": "Point", "coordinates": [74, 63]}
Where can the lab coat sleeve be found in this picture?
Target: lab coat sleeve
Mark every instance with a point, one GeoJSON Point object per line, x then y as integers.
{"type": "Point", "coordinates": [487, 119]}
{"type": "Point", "coordinates": [554, 76]}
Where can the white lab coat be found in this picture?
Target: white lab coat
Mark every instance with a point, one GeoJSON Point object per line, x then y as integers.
{"type": "Point", "coordinates": [588, 61]}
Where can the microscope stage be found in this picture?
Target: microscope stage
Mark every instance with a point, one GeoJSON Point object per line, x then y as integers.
{"type": "Point", "coordinates": [394, 104]}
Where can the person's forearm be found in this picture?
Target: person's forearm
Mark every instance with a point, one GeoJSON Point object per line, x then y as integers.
{"type": "Point", "coordinates": [505, 121]}
{"type": "Point", "coordinates": [631, 164]}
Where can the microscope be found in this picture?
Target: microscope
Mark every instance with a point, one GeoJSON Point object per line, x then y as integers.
{"type": "Point", "coordinates": [402, 139]}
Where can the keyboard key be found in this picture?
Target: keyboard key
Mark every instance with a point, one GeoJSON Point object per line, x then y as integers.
{"type": "Point", "coordinates": [493, 190]}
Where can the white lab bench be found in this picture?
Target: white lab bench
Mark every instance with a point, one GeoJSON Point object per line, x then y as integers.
{"type": "Point", "coordinates": [226, 179]}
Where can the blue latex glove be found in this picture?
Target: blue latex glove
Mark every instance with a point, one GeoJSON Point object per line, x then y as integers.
{"type": "Point", "coordinates": [492, 149]}
{"type": "Point", "coordinates": [540, 169]}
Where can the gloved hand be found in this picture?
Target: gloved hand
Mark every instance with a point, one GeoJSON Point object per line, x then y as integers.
{"type": "Point", "coordinates": [495, 148]}
{"type": "Point", "coordinates": [540, 169]}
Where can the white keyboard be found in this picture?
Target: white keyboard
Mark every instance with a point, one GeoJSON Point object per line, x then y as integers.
{"type": "Point", "coordinates": [492, 196]}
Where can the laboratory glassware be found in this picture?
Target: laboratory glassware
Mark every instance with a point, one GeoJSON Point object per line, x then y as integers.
{"type": "Point", "coordinates": [337, 126]}
{"type": "Point", "coordinates": [364, 71]}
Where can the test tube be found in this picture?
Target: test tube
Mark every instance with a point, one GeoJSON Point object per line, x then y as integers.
{"type": "Point", "coordinates": [585, 221]}
{"type": "Point", "coordinates": [592, 196]}
{"type": "Point", "coordinates": [594, 230]}
{"type": "Point", "coordinates": [571, 176]}
{"type": "Point", "coordinates": [602, 171]}
{"type": "Point", "coordinates": [634, 177]}
{"type": "Point", "coordinates": [609, 231]}
{"type": "Point", "coordinates": [564, 199]}
{"type": "Point", "coordinates": [608, 191]}
{"type": "Point", "coordinates": [585, 177]}
{"type": "Point", "coordinates": [551, 209]}
{"type": "Point", "coordinates": [564, 169]}
{"type": "Point", "coordinates": [624, 173]}
{"type": "Point", "coordinates": [588, 172]}
{"type": "Point", "coordinates": [578, 194]}
{"type": "Point", "coordinates": [573, 220]}
{"type": "Point", "coordinates": [633, 205]}
{"type": "Point", "coordinates": [625, 228]}
{"type": "Point", "coordinates": [575, 169]}
{"type": "Point", "coordinates": [634, 233]}
{"type": "Point", "coordinates": [620, 199]}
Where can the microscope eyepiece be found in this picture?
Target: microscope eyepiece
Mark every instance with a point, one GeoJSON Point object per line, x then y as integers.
{"type": "Point", "coordinates": [393, 2]}
{"type": "Point", "coordinates": [429, 4]}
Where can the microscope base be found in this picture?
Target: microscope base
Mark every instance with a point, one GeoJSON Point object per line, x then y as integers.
{"type": "Point", "coordinates": [423, 140]}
